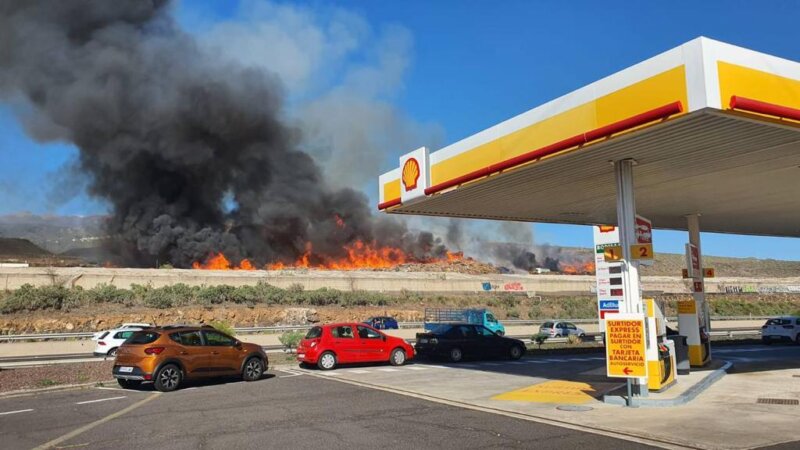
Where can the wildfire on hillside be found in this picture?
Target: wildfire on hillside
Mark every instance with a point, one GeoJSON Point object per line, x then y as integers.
{"type": "Point", "coordinates": [584, 268]}
{"type": "Point", "coordinates": [358, 255]}
{"type": "Point", "coordinates": [220, 262]}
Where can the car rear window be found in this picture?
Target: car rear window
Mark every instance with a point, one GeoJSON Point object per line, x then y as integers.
{"type": "Point", "coordinates": [547, 325]}
{"type": "Point", "coordinates": [105, 333]}
{"type": "Point", "coordinates": [314, 333]}
{"type": "Point", "coordinates": [143, 337]}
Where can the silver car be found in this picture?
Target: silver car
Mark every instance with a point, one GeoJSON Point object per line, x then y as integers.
{"type": "Point", "coordinates": [561, 329]}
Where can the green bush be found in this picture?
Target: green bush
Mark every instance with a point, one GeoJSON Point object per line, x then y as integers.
{"type": "Point", "coordinates": [108, 293]}
{"type": "Point", "coordinates": [540, 338]}
{"type": "Point", "coordinates": [224, 327]}
{"type": "Point", "coordinates": [30, 298]}
{"type": "Point", "coordinates": [513, 313]}
{"type": "Point", "coordinates": [573, 339]}
{"type": "Point", "coordinates": [291, 339]}
{"type": "Point", "coordinates": [215, 295]}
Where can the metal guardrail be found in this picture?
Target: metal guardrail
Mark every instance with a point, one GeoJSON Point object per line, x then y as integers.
{"type": "Point", "coordinates": [284, 328]}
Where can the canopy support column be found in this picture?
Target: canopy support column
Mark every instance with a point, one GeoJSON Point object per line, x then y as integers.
{"type": "Point", "coordinates": [626, 221]}
{"type": "Point", "coordinates": [699, 346]}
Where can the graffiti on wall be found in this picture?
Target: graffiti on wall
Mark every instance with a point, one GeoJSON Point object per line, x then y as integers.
{"type": "Point", "coordinates": [513, 286]}
{"type": "Point", "coordinates": [760, 289]}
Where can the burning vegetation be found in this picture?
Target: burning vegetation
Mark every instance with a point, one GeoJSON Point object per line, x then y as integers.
{"type": "Point", "coordinates": [193, 153]}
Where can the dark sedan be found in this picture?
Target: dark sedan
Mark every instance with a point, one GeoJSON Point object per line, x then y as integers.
{"type": "Point", "coordinates": [458, 341]}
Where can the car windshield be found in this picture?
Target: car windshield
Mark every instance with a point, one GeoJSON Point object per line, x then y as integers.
{"type": "Point", "coordinates": [314, 333]}
{"type": "Point", "coordinates": [143, 337]}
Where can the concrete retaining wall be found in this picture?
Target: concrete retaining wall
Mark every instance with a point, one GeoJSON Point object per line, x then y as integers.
{"type": "Point", "coordinates": [13, 278]}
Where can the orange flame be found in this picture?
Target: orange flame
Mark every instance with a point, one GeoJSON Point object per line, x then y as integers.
{"type": "Point", "coordinates": [220, 262]}
{"type": "Point", "coordinates": [358, 255]}
{"type": "Point", "coordinates": [585, 268]}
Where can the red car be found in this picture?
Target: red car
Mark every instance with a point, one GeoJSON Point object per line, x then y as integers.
{"type": "Point", "coordinates": [341, 343]}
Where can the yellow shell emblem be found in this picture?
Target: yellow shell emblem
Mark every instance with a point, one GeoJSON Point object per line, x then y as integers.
{"type": "Point", "coordinates": [410, 174]}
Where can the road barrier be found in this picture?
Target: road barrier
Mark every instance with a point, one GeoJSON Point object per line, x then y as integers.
{"type": "Point", "coordinates": [285, 328]}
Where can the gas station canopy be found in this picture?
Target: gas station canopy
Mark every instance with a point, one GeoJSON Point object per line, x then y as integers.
{"type": "Point", "coordinates": [714, 129]}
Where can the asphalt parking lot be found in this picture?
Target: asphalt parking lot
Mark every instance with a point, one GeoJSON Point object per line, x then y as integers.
{"type": "Point", "coordinates": [285, 410]}
{"type": "Point", "coordinates": [427, 404]}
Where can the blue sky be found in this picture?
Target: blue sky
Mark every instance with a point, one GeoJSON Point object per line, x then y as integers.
{"type": "Point", "coordinates": [472, 64]}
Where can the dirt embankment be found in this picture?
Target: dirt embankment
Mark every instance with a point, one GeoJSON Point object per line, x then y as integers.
{"type": "Point", "coordinates": [103, 316]}
{"type": "Point", "coordinates": [96, 319]}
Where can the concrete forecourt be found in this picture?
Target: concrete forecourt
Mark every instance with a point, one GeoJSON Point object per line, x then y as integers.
{"type": "Point", "coordinates": [703, 137]}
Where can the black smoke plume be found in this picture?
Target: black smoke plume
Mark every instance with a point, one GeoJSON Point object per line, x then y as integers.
{"type": "Point", "coordinates": [192, 155]}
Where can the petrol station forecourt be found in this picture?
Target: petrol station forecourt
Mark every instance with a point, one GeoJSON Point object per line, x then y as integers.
{"type": "Point", "coordinates": [705, 136]}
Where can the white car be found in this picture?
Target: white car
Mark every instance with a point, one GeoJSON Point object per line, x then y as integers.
{"type": "Point", "coordinates": [786, 328]}
{"type": "Point", "coordinates": [561, 329]}
{"type": "Point", "coordinates": [109, 341]}
{"type": "Point", "coordinates": [101, 334]}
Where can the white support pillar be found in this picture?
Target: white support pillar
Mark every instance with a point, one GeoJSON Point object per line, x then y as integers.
{"type": "Point", "coordinates": [626, 221]}
{"type": "Point", "coordinates": [693, 224]}
{"type": "Point", "coordinates": [702, 353]}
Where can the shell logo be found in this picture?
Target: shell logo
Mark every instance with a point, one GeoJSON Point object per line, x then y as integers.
{"type": "Point", "coordinates": [607, 228]}
{"type": "Point", "coordinates": [410, 174]}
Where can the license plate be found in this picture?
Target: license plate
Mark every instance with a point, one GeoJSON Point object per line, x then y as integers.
{"type": "Point", "coordinates": [423, 341]}
{"type": "Point", "coordinates": [126, 369]}
{"type": "Point", "coordinates": [301, 355]}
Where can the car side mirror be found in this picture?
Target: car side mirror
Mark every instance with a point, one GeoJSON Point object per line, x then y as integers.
{"type": "Point", "coordinates": [383, 337]}
{"type": "Point", "coordinates": [238, 345]}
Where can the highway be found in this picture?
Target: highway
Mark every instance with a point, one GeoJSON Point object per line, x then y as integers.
{"type": "Point", "coordinates": [426, 404]}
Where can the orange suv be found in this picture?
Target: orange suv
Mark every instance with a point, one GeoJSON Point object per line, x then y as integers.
{"type": "Point", "coordinates": [168, 355]}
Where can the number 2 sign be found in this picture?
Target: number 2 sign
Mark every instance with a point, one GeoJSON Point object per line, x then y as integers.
{"type": "Point", "coordinates": [642, 251]}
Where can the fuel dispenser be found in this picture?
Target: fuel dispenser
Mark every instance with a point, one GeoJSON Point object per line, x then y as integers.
{"type": "Point", "coordinates": [661, 367]}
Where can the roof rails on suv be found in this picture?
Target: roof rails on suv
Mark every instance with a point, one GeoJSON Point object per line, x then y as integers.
{"type": "Point", "coordinates": [183, 325]}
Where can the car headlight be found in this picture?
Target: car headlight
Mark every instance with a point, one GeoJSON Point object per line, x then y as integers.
{"type": "Point", "coordinates": [434, 341]}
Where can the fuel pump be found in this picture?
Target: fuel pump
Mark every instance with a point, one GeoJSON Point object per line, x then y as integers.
{"type": "Point", "coordinates": [661, 366]}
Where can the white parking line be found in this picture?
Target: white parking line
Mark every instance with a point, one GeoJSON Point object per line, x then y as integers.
{"type": "Point", "coordinates": [15, 412]}
{"type": "Point", "coordinates": [388, 370]}
{"type": "Point", "coordinates": [416, 368]}
{"type": "Point", "coordinates": [357, 371]}
{"type": "Point", "coordinates": [100, 400]}
{"type": "Point", "coordinates": [330, 374]}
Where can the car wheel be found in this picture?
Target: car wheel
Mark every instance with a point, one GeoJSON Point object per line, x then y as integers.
{"type": "Point", "coordinates": [501, 333]}
{"type": "Point", "coordinates": [516, 352]}
{"type": "Point", "coordinates": [128, 384]}
{"type": "Point", "coordinates": [455, 354]}
{"type": "Point", "coordinates": [168, 378]}
{"type": "Point", "coordinates": [112, 353]}
{"type": "Point", "coordinates": [253, 369]}
{"type": "Point", "coordinates": [797, 339]}
{"type": "Point", "coordinates": [327, 361]}
{"type": "Point", "coordinates": [582, 337]}
{"type": "Point", "coordinates": [398, 357]}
